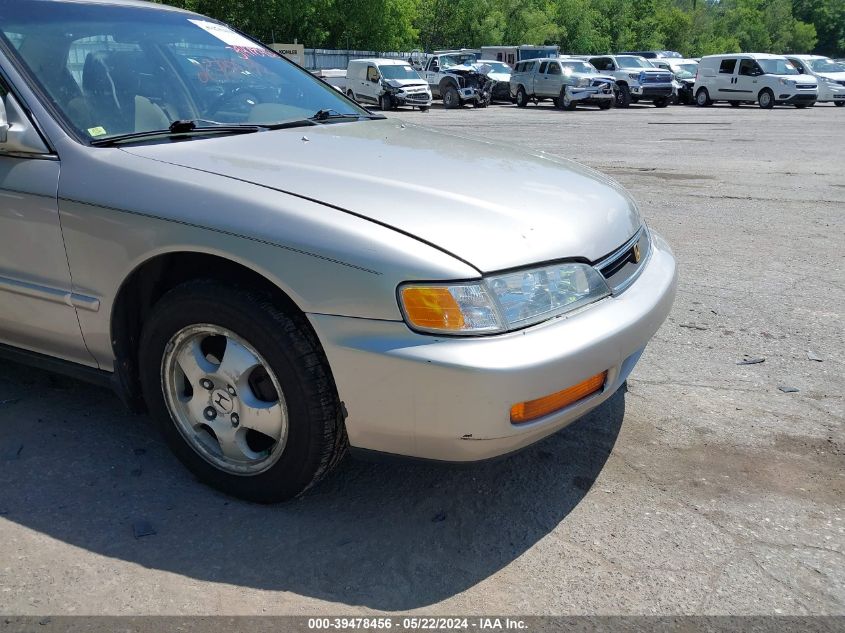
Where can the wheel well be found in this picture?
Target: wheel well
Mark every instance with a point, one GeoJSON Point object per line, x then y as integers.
{"type": "Point", "coordinates": [448, 82]}
{"type": "Point", "coordinates": [621, 83]}
{"type": "Point", "coordinates": [148, 283]}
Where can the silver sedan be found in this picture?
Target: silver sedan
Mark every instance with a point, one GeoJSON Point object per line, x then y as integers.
{"type": "Point", "coordinates": [275, 273]}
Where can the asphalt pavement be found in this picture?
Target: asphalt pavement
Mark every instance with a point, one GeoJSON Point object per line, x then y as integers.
{"type": "Point", "coordinates": [710, 487]}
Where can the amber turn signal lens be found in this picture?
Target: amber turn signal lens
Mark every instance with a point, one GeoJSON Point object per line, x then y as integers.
{"type": "Point", "coordinates": [534, 409]}
{"type": "Point", "coordinates": [433, 308]}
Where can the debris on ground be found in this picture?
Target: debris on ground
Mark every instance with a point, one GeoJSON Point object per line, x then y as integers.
{"type": "Point", "coordinates": [813, 356]}
{"type": "Point", "coordinates": [748, 360]}
{"type": "Point", "coordinates": [142, 527]}
{"type": "Point", "coordinates": [787, 389]}
{"type": "Point", "coordinates": [13, 453]}
{"type": "Point", "coordinates": [693, 326]}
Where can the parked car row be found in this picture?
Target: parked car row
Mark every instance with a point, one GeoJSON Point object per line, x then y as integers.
{"type": "Point", "coordinates": [659, 77]}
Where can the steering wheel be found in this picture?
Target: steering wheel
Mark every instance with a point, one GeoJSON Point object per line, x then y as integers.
{"type": "Point", "coordinates": [238, 100]}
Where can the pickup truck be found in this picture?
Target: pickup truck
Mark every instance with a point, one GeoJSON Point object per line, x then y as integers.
{"type": "Point", "coordinates": [567, 81]}
{"type": "Point", "coordinates": [456, 77]}
{"type": "Point", "coordinates": [636, 79]}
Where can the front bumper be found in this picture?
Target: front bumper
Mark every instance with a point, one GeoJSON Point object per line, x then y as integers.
{"type": "Point", "coordinates": [800, 97]}
{"type": "Point", "coordinates": [413, 99]}
{"type": "Point", "coordinates": [450, 398]}
{"type": "Point", "coordinates": [652, 92]}
{"type": "Point", "coordinates": [591, 93]}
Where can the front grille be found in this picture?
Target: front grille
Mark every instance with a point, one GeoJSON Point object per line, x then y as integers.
{"type": "Point", "coordinates": [806, 86]}
{"type": "Point", "coordinates": [656, 92]}
{"type": "Point", "coordinates": [804, 98]}
{"type": "Point", "coordinates": [656, 79]}
{"type": "Point", "coordinates": [420, 96]}
{"type": "Point", "coordinates": [622, 266]}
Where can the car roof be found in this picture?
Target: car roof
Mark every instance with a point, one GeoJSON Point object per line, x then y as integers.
{"type": "Point", "coordinates": [738, 55]}
{"type": "Point", "coordinates": [136, 4]}
{"type": "Point", "coordinates": [807, 57]}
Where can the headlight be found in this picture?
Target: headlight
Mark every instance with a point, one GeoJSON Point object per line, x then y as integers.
{"type": "Point", "coordinates": [786, 82]}
{"type": "Point", "coordinates": [584, 82]}
{"type": "Point", "coordinates": [500, 303]}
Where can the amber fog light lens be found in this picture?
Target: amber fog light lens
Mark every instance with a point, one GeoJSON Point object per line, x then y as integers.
{"type": "Point", "coordinates": [534, 409]}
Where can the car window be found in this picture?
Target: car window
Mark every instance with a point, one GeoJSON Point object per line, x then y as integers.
{"type": "Point", "coordinates": [777, 67]}
{"type": "Point", "coordinates": [727, 66]}
{"type": "Point", "coordinates": [543, 67]}
{"type": "Point", "coordinates": [129, 69]}
{"type": "Point", "coordinates": [749, 68]}
{"type": "Point", "coordinates": [577, 67]}
{"type": "Point", "coordinates": [398, 71]}
{"type": "Point", "coordinates": [630, 61]}
{"type": "Point", "coordinates": [372, 73]}
{"type": "Point", "coordinates": [826, 66]}
{"type": "Point", "coordinates": [601, 63]}
{"type": "Point", "coordinates": [554, 69]}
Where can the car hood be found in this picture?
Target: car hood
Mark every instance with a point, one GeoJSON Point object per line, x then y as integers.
{"type": "Point", "coordinates": [406, 83]}
{"type": "Point", "coordinates": [492, 206]}
{"type": "Point", "coordinates": [591, 76]}
{"type": "Point", "coordinates": [834, 76]}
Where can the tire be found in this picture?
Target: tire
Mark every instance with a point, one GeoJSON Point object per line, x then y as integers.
{"type": "Point", "coordinates": [623, 96]}
{"type": "Point", "coordinates": [385, 103]}
{"type": "Point", "coordinates": [839, 104]}
{"type": "Point", "coordinates": [566, 103]}
{"type": "Point", "coordinates": [735, 104]}
{"type": "Point", "coordinates": [606, 104]}
{"type": "Point", "coordinates": [766, 99]}
{"type": "Point", "coordinates": [423, 108]}
{"type": "Point", "coordinates": [661, 103]}
{"type": "Point", "coordinates": [521, 97]}
{"type": "Point", "coordinates": [451, 98]}
{"type": "Point", "coordinates": [801, 106]}
{"type": "Point", "coordinates": [286, 388]}
{"type": "Point", "coordinates": [702, 98]}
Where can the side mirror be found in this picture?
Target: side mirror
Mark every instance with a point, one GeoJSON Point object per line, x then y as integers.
{"type": "Point", "coordinates": [17, 133]}
{"type": "Point", "coordinates": [4, 123]}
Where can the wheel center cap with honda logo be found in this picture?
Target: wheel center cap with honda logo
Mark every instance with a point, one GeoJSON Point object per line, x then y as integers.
{"type": "Point", "coordinates": [222, 401]}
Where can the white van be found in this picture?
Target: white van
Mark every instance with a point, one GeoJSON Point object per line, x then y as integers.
{"type": "Point", "coordinates": [829, 74]}
{"type": "Point", "coordinates": [387, 83]}
{"type": "Point", "coordinates": [753, 78]}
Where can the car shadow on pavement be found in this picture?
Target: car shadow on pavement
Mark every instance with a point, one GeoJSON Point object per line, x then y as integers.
{"type": "Point", "coordinates": [76, 467]}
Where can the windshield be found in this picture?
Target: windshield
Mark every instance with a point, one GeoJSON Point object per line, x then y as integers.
{"type": "Point", "coordinates": [629, 61]}
{"type": "Point", "coordinates": [456, 60]}
{"type": "Point", "coordinates": [684, 71]}
{"type": "Point", "coordinates": [578, 67]}
{"type": "Point", "coordinates": [826, 66]}
{"type": "Point", "coordinates": [777, 67]}
{"type": "Point", "coordinates": [116, 70]}
{"type": "Point", "coordinates": [398, 71]}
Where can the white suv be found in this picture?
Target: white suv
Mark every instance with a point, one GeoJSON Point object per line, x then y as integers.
{"type": "Point", "coordinates": [829, 74]}
{"type": "Point", "coordinates": [753, 78]}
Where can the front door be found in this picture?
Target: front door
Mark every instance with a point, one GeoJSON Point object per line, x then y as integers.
{"type": "Point", "coordinates": [747, 84]}
{"type": "Point", "coordinates": [554, 79]}
{"type": "Point", "coordinates": [37, 310]}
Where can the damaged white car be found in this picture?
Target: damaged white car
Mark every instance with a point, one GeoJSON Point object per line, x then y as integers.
{"type": "Point", "coordinates": [456, 77]}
